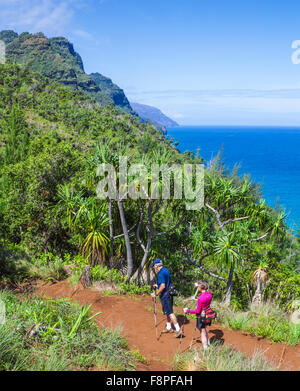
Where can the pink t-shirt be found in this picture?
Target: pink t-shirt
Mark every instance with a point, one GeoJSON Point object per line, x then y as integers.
{"type": "Point", "coordinates": [203, 300]}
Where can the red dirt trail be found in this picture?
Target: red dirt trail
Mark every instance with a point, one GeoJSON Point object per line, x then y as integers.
{"type": "Point", "coordinates": [135, 316]}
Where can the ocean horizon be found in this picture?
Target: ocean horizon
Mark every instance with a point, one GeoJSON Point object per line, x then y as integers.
{"type": "Point", "coordinates": [269, 154]}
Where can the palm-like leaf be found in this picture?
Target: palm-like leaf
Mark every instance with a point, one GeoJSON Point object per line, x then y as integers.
{"type": "Point", "coordinates": [95, 221]}
{"type": "Point", "coordinates": [69, 200]}
{"type": "Point", "coordinates": [278, 227]}
{"type": "Point", "coordinates": [201, 239]}
{"type": "Point", "coordinates": [226, 250]}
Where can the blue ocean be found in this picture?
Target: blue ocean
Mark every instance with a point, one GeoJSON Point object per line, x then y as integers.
{"type": "Point", "coordinates": [271, 155]}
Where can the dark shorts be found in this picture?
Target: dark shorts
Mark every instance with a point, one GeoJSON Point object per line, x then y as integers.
{"type": "Point", "coordinates": [167, 304]}
{"type": "Point", "coordinates": [201, 325]}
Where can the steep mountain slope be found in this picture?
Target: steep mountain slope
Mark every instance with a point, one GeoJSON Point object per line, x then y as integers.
{"type": "Point", "coordinates": [153, 115]}
{"type": "Point", "coordinates": [112, 90]}
{"type": "Point", "coordinates": [48, 134]}
{"type": "Point", "coordinates": [56, 58]}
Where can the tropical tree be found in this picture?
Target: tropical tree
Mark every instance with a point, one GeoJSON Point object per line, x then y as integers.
{"type": "Point", "coordinates": [106, 153]}
{"type": "Point", "coordinates": [94, 223]}
{"type": "Point", "coordinates": [225, 233]}
{"type": "Point", "coordinates": [259, 279]}
{"type": "Point", "coordinates": [70, 201]}
{"type": "Point", "coordinates": [150, 227]}
{"type": "Point", "coordinates": [226, 251]}
{"type": "Point", "coordinates": [86, 218]}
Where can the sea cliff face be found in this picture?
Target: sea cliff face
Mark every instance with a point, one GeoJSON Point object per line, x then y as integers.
{"type": "Point", "coordinates": [154, 116]}
{"type": "Point", "coordinates": [56, 58]}
{"type": "Point", "coordinates": [112, 90]}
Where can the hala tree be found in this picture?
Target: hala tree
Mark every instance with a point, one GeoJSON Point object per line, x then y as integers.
{"type": "Point", "coordinates": [226, 233]}
{"type": "Point", "coordinates": [152, 224]}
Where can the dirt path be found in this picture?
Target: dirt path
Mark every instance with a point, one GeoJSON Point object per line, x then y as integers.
{"type": "Point", "coordinates": [135, 316]}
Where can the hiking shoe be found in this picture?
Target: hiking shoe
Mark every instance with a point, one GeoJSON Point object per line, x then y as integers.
{"type": "Point", "coordinates": [178, 333]}
{"type": "Point", "coordinates": [166, 331]}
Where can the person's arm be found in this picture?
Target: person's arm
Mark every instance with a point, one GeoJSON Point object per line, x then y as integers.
{"type": "Point", "coordinates": [198, 309]}
{"type": "Point", "coordinates": [161, 288]}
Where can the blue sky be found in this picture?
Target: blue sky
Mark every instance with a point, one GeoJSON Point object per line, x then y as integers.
{"type": "Point", "coordinates": [199, 61]}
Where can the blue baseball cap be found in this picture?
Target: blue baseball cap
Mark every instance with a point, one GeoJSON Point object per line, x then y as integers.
{"type": "Point", "coordinates": [157, 262]}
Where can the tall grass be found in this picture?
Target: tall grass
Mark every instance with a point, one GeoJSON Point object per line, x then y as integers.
{"type": "Point", "coordinates": [266, 320]}
{"type": "Point", "coordinates": [220, 358]}
{"type": "Point", "coordinates": [68, 339]}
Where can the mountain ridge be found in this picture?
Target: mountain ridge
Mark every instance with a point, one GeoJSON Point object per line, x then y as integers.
{"type": "Point", "coordinates": [57, 59]}
{"type": "Point", "coordinates": [154, 115]}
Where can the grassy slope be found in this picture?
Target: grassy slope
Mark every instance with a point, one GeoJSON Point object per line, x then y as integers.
{"type": "Point", "coordinates": [66, 340]}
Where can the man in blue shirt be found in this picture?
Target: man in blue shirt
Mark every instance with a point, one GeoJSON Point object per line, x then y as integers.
{"type": "Point", "coordinates": [163, 284]}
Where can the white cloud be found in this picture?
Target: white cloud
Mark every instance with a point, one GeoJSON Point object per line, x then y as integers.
{"type": "Point", "coordinates": [49, 16]}
{"type": "Point", "coordinates": [83, 34]}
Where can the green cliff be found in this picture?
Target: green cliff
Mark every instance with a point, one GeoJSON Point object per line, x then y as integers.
{"type": "Point", "coordinates": [56, 58]}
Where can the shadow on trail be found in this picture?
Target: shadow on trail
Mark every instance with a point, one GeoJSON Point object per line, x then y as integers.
{"type": "Point", "coordinates": [182, 320]}
{"type": "Point", "coordinates": [217, 336]}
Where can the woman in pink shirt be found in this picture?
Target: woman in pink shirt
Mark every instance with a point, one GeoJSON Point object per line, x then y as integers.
{"type": "Point", "coordinates": [203, 303]}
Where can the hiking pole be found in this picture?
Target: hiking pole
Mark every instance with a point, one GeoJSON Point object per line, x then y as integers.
{"type": "Point", "coordinates": [192, 341]}
{"type": "Point", "coordinates": [182, 329]}
{"type": "Point", "coordinates": [155, 319]}
{"type": "Point", "coordinates": [194, 298]}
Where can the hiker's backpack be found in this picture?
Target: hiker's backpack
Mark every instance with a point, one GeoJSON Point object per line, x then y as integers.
{"type": "Point", "coordinates": [172, 290]}
{"type": "Point", "coordinates": [207, 315]}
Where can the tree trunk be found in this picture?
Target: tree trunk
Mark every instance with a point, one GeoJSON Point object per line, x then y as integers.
{"type": "Point", "coordinates": [229, 286]}
{"type": "Point", "coordinates": [127, 240]}
{"type": "Point", "coordinates": [257, 298]}
{"type": "Point", "coordinates": [139, 271]}
{"type": "Point", "coordinates": [111, 229]}
{"type": "Point", "coordinates": [85, 277]}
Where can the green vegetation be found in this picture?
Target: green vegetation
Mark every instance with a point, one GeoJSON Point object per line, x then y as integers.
{"type": "Point", "coordinates": [103, 273]}
{"type": "Point", "coordinates": [267, 320]}
{"type": "Point", "coordinates": [220, 358]}
{"type": "Point", "coordinates": [55, 335]}
{"type": "Point", "coordinates": [52, 139]}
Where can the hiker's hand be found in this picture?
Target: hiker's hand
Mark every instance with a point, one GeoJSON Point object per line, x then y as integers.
{"type": "Point", "coordinates": [155, 286]}
{"type": "Point", "coordinates": [153, 295]}
{"type": "Point", "coordinates": [185, 310]}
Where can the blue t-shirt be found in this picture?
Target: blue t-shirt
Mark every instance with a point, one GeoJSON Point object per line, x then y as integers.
{"type": "Point", "coordinates": [163, 277]}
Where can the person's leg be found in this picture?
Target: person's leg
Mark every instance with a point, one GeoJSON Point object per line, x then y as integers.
{"type": "Point", "coordinates": [172, 316]}
{"type": "Point", "coordinates": [204, 337]}
{"type": "Point", "coordinates": [166, 311]}
{"type": "Point", "coordinates": [208, 341]}
{"type": "Point", "coordinates": [169, 324]}
{"type": "Point", "coordinates": [174, 321]}
{"type": "Point", "coordinates": [169, 311]}
{"type": "Point", "coordinates": [207, 337]}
